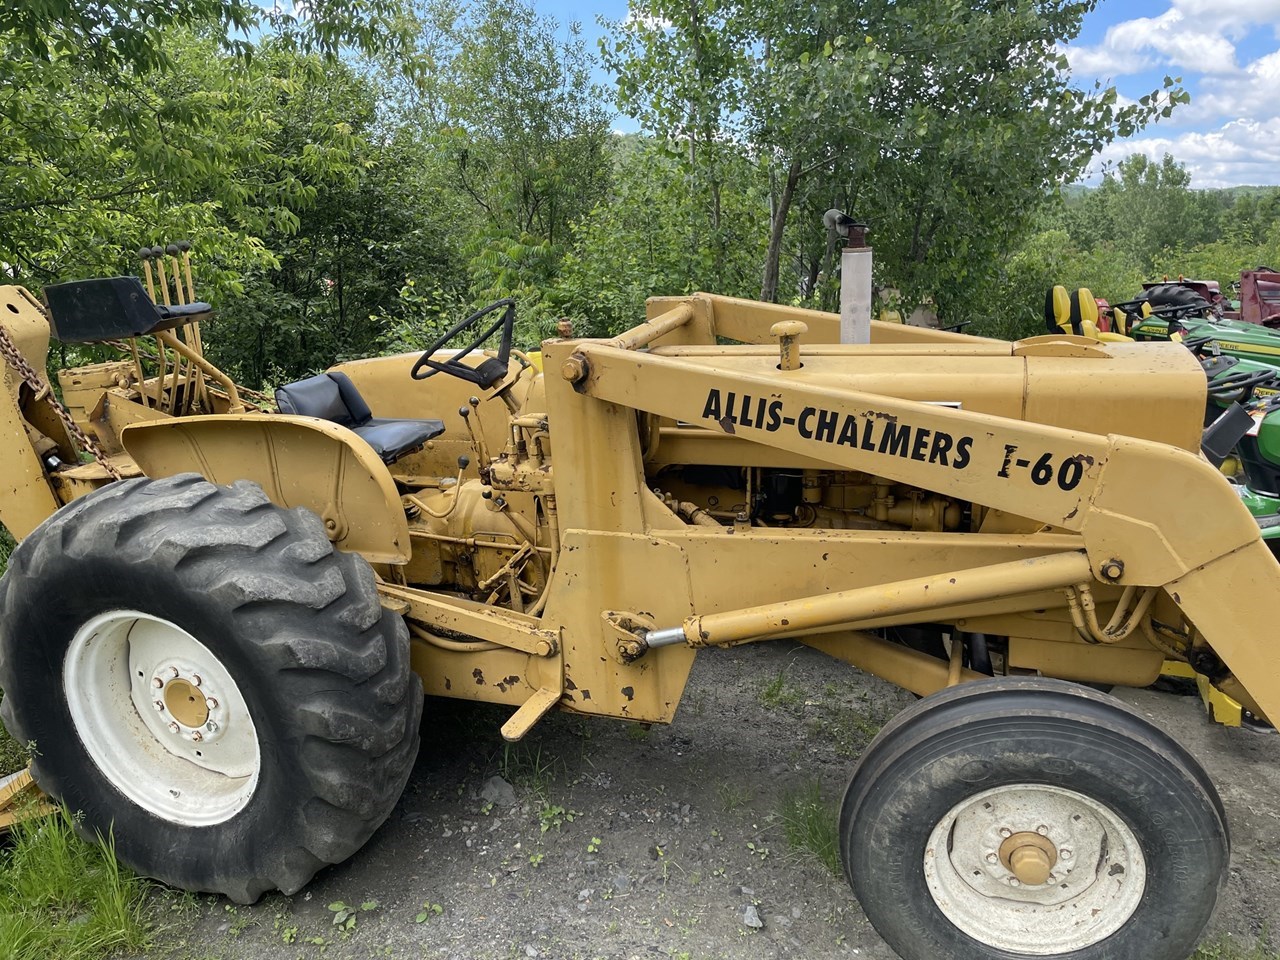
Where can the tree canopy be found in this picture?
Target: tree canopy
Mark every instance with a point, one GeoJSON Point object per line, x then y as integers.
{"type": "Point", "coordinates": [356, 174]}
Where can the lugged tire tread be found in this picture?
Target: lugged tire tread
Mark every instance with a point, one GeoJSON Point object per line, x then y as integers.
{"type": "Point", "coordinates": [338, 660]}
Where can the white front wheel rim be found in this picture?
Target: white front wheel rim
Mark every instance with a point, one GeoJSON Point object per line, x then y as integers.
{"type": "Point", "coordinates": [161, 718]}
{"type": "Point", "coordinates": [1097, 871]}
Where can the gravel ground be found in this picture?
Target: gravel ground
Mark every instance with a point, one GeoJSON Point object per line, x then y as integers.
{"type": "Point", "coordinates": [598, 839]}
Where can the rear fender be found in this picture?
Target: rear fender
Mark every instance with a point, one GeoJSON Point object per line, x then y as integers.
{"type": "Point", "coordinates": [298, 461]}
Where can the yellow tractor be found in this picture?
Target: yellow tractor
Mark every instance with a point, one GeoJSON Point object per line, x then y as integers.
{"type": "Point", "coordinates": [219, 622]}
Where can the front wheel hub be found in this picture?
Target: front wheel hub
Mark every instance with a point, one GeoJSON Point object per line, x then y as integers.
{"type": "Point", "coordinates": [1029, 857]}
{"type": "Point", "coordinates": [1035, 869]}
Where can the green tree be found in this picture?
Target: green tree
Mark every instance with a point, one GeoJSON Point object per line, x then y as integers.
{"type": "Point", "coordinates": [118, 38]}
{"type": "Point", "coordinates": [680, 67]}
{"type": "Point", "coordinates": [127, 120]}
{"type": "Point", "coordinates": [364, 227]}
{"type": "Point", "coordinates": [520, 133]}
{"type": "Point", "coordinates": [1147, 208]}
{"type": "Point", "coordinates": [945, 121]}
{"type": "Point", "coordinates": [646, 239]}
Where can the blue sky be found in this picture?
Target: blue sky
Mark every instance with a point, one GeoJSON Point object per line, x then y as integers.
{"type": "Point", "coordinates": [1228, 55]}
{"type": "Point", "coordinates": [1226, 51]}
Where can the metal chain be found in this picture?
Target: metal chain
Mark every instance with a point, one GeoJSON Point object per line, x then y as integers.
{"type": "Point", "coordinates": [13, 357]}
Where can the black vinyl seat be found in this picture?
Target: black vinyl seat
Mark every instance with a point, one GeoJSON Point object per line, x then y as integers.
{"type": "Point", "coordinates": [333, 397]}
{"type": "Point", "coordinates": [113, 308]}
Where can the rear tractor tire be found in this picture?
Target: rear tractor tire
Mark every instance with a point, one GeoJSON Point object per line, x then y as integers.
{"type": "Point", "coordinates": [208, 682]}
{"type": "Point", "coordinates": [1015, 818]}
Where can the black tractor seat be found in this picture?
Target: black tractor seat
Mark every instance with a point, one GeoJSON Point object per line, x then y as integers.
{"type": "Point", "coordinates": [333, 397]}
{"type": "Point", "coordinates": [113, 308]}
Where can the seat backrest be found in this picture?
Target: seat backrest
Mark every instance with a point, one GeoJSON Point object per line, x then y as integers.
{"type": "Point", "coordinates": [1057, 310]}
{"type": "Point", "coordinates": [105, 308]}
{"type": "Point", "coordinates": [1084, 313]}
{"type": "Point", "coordinates": [326, 396]}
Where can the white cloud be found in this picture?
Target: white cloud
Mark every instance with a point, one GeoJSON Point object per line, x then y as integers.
{"type": "Point", "coordinates": [1249, 93]}
{"type": "Point", "coordinates": [1230, 132]}
{"type": "Point", "coordinates": [1232, 13]}
{"type": "Point", "coordinates": [1240, 152]}
{"type": "Point", "coordinates": [1192, 35]}
{"type": "Point", "coordinates": [1102, 62]}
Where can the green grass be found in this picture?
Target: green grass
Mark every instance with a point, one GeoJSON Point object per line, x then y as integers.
{"type": "Point", "coordinates": [523, 765]}
{"type": "Point", "coordinates": [777, 693]}
{"type": "Point", "coordinates": [6, 548]}
{"type": "Point", "coordinates": [850, 727]}
{"type": "Point", "coordinates": [809, 824]}
{"type": "Point", "coordinates": [1228, 948]}
{"type": "Point", "coordinates": [62, 897]}
{"type": "Point", "coordinates": [12, 755]}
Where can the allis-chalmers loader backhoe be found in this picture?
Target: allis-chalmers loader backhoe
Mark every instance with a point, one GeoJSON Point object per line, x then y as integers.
{"type": "Point", "coordinates": [219, 623]}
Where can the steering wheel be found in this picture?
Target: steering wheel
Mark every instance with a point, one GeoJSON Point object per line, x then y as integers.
{"type": "Point", "coordinates": [1239, 385]}
{"type": "Point", "coordinates": [1197, 345]}
{"type": "Point", "coordinates": [490, 370]}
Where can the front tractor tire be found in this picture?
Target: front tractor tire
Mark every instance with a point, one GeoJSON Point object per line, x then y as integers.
{"type": "Point", "coordinates": [208, 682]}
{"type": "Point", "coordinates": [1018, 817]}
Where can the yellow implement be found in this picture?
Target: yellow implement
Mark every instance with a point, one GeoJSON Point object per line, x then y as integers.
{"type": "Point", "coordinates": [21, 799]}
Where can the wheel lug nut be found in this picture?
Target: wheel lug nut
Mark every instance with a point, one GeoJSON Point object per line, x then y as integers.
{"type": "Point", "coordinates": [157, 682]}
{"type": "Point", "coordinates": [195, 680]}
{"type": "Point", "coordinates": [160, 705]}
{"type": "Point", "coordinates": [1052, 878]}
{"type": "Point", "coordinates": [1013, 881]}
{"type": "Point", "coordinates": [211, 727]}
{"type": "Point", "coordinates": [173, 728]}
{"type": "Point", "coordinates": [173, 671]}
{"type": "Point", "coordinates": [1006, 832]}
{"type": "Point", "coordinates": [197, 736]}
{"type": "Point", "coordinates": [211, 703]}
{"type": "Point", "coordinates": [1042, 830]}
{"type": "Point", "coordinates": [1065, 854]}
{"type": "Point", "coordinates": [992, 858]}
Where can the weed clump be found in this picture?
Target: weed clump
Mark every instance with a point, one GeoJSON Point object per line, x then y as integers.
{"type": "Point", "coordinates": [63, 897]}
{"type": "Point", "coordinates": [809, 824]}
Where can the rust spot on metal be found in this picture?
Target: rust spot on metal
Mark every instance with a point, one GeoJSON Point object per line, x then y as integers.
{"type": "Point", "coordinates": [726, 424]}
{"type": "Point", "coordinates": [448, 684]}
{"type": "Point", "coordinates": [629, 692]}
{"type": "Point", "coordinates": [478, 674]}
{"type": "Point", "coordinates": [569, 684]}
{"type": "Point", "coordinates": [1074, 511]}
{"type": "Point", "coordinates": [949, 580]}
{"type": "Point", "coordinates": [1176, 598]}
{"type": "Point", "coordinates": [786, 622]}
{"type": "Point", "coordinates": [881, 415]}
{"type": "Point", "coordinates": [586, 694]}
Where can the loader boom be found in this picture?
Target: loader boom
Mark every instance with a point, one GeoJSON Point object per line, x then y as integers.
{"type": "Point", "coordinates": [1091, 485]}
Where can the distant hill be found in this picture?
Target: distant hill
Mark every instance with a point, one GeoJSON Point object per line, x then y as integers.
{"type": "Point", "coordinates": [1075, 191]}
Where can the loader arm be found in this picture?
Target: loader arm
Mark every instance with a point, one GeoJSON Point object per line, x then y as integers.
{"type": "Point", "coordinates": [1097, 486]}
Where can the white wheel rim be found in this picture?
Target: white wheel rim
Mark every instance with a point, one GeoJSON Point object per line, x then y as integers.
{"type": "Point", "coordinates": [134, 685]}
{"type": "Point", "coordinates": [1097, 877]}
